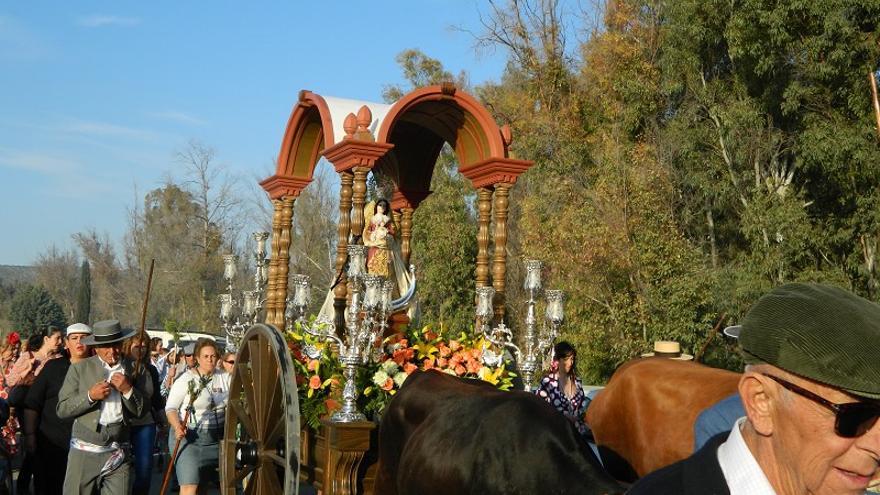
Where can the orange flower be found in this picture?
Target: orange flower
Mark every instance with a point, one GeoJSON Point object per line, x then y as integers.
{"type": "Point", "coordinates": [315, 382]}
{"type": "Point", "coordinates": [409, 368]}
{"type": "Point", "coordinates": [313, 364]}
{"type": "Point", "coordinates": [445, 351]}
{"type": "Point", "coordinates": [459, 370]}
{"type": "Point", "coordinates": [456, 359]}
{"type": "Point", "coordinates": [388, 385]}
{"type": "Point", "coordinates": [454, 345]}
{"type": "Point", "coordinates": [429, 335]}
{"type": "Point", "coordinates": [428, 364]}
{"type": "Point", "coordinates": [473, 366]}
{"type": "Point", "coordinates": [331, 405]}
{"type": "Point", "coordinates": [442, 362]}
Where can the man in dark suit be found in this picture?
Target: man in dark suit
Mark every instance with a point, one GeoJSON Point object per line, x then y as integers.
{"type": "Point", "coordinates": [811, 393]}
{"type": "Point", "coordinates": [98, 393]}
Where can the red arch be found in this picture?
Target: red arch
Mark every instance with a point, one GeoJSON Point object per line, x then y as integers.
{"type": "Point", "coordinates": [482, 126]}
{"type": "Point", "coordinates": [309, 131]}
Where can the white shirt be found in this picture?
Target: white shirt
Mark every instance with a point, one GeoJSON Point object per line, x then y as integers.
{"type": "Point", "coordinates": [216, 392]}
{"type": "Point", "coordinates": [111, 406]}
{"type": "Point", "coordinates": [742, 472]}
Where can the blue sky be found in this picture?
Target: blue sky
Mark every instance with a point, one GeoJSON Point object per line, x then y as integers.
{"type": "Point", "coordinates": [95, 97]}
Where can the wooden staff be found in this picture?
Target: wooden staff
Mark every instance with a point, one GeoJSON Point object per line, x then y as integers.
{"type": "Point", "coordinates": [173, 459]}
{"type": "Point", "coordinates": [698, 356]}
{"type": "Point", "coordinates": [147, 298]}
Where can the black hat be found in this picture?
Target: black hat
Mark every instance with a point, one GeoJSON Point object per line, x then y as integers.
{"type": "Point", "coordinates": [107, 332]}
{"type": "Point", "coordinates": [819, 332]}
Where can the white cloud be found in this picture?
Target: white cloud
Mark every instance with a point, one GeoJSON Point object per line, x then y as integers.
{"type": "Point", "coordinates": [105, 129]}
{"type": "Point", "coordinates": [97, 20]}
{"type": "Point", "coordinates": [176, 116]}
{"type": "Point", "coordinates": [17, 42]}
{"type": "Point", "coordinates": [36, 162]}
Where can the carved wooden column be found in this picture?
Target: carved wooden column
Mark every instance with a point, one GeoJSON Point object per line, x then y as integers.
{"type": "Point", "coordinates": [283, 263]}
{"type": "Point", "coordinates": [484, 215]}
{"type": "Point", "coordinates": [343, 229]}
{"type": "Point", "coordinates": [499, 257]}
{"type": "Point", "coordinates": [406, 225]}
{"type": "Point", "coordinates": [273, 260]}
{"type": "Point", "coordinates": [358, 200]}
{"type": "Point", "coordinates": [346, 445]}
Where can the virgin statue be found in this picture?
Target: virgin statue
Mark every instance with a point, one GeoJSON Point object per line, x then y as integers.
{"type": "Point", "coordinates": [377, 233]}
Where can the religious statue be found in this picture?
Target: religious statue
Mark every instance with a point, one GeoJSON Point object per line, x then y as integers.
{"type": "Point", "coordinates": [377, 234]}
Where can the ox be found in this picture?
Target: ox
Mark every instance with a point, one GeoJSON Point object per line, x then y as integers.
{"type": "Point", "coordinates": [442, 434]}
{"type": "Point", "coordinates": [643, 419]}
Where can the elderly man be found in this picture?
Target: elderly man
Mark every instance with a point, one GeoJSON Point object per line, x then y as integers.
{"type": "Point", "coordinates": [46, 436]}
{"type": "Point", "coordinates": [810, 392]}
{"type": "Point", "coordinates": [98, 392]}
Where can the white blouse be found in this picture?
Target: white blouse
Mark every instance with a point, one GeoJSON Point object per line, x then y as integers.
{"type": "Point", "coordinates": [210, 404]}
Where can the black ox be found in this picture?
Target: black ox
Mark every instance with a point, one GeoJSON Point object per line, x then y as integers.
{"type": "Point", "coordinates": [442, 434]}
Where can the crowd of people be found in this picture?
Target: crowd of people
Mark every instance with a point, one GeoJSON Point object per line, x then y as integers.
{"type": "Point", "coordinates": [86, 408]}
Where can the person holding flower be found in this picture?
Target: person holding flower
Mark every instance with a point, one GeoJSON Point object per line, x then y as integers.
{"type": "Point", "coordinates": [201, 393]}
{"type": "Point", "coordinates": [562, 388]}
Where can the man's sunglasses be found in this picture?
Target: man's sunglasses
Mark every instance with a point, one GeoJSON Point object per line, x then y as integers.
{"type": "Point", "coordinates": [851, 419]}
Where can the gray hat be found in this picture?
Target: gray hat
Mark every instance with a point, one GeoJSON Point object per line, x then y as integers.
{"type": "Point", "coordinates": [107, 332]}
{"type": "Point", "coordinates": [818, 332]}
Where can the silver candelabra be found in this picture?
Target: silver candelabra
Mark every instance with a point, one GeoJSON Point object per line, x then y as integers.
{"type": "Point", "coordinates": [365, 322]}
{"type": "Point", "coordinates": [537, 344]}
{"type": "Point", "coordinates": [235, 323]}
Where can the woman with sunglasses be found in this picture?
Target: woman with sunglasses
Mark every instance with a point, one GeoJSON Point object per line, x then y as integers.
{"type": "Point", "coordinates": [811, 393]}
{"type": "Point", "coordinates": [144, 427]}
{"type": "Point", "coordinates": [228, 362]}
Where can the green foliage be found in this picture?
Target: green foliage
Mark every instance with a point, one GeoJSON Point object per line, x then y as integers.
{"type": "Point", "coordinates": [84, 294]}
{"type": "Point", "coordinates": [33, 309]}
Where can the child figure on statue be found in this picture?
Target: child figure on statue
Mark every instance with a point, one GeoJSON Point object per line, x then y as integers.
{"type": "Point", "coordinates": [375, 237]}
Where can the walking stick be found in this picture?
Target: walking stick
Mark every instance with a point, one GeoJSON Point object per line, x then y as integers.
{"type": "Point", "coordinates": [172, 460]}
{"type": "Point", "coordinates": [147, 297]}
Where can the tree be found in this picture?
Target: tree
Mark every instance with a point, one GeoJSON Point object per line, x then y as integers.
{"type": "Point", "coordinates": [84, 294]}
{"type": "Point", "coordinates": [33, 309]}
{"type": "Point", "coordinates": [57, 272]}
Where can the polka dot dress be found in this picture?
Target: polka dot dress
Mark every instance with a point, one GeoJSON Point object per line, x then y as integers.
{"type": "Point", "coordinates": [573, 408]}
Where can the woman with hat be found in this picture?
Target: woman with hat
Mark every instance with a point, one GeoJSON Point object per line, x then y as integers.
{"type": "Point", "coordinates": [562, 388]}
{"type": "Point", "coordinates": [202, 391]}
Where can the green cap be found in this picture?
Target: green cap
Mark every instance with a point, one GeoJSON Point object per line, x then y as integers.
{"type": "Point", "coordinates": [819, 332]}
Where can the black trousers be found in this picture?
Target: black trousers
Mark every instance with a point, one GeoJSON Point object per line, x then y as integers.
{"type": "Point", "coordinates": [50, 464]}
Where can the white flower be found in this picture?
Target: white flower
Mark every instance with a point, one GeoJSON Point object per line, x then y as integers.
{"type": "Point", "coordinates": [379, 378]}
{"type": "Point", "coordinates": [400, 378]}
{"type": "Point", "coordinates": [449, 371]}
{"type": "Point", "coordinates": [389, 367]}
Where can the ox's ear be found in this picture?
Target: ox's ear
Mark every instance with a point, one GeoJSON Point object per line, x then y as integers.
{"type": "Point", "coordinates": [759, 399]}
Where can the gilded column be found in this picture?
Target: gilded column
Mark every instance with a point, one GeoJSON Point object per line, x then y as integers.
{"type": "Point", "coordinates": [273, 261]}
{"type": "Point", "coordinates": [359, 199]}
{"type": "Point", "coordinates": [283, 260]}
{"type": "Point", "coordinates": [484, 215]}
{"type": "Point", "coordinates": [406, 225]}
{"type": "Point", "coordinates": [343, 229]}
{"type": "Point", "coordinates": [499, 258]}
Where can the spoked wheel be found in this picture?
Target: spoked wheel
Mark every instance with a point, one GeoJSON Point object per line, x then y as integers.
{"type": "Point", "coordinates": [260, 449]}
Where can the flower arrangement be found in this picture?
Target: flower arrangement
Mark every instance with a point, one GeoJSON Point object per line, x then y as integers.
{"type": "Point", "coordinates": [319, 379]}
{"type": "Point", "coordinates": [426, 349]}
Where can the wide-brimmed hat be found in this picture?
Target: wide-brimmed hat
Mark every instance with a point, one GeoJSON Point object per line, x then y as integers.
{"type": "Point", "coordinates": [668, 349]}
{"type": "Point", "coordinates": [79, 328]}
{"type": "Point", "coordinates": [107, 332]}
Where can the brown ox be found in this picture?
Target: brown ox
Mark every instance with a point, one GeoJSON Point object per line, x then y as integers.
{"type": "Point", "coordinates": [644, 418]}
{"type": "Point", "coordinates": [446, 435]}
